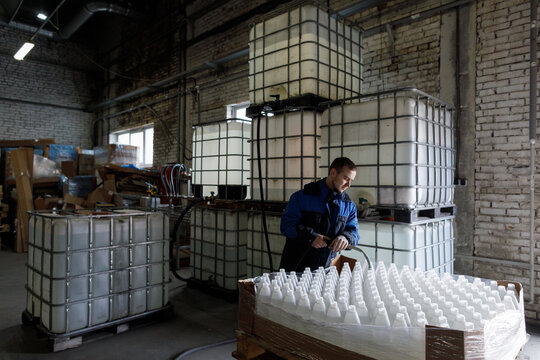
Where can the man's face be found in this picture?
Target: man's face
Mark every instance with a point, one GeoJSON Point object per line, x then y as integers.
{"type": "Point", "coordinates": [342, 180]}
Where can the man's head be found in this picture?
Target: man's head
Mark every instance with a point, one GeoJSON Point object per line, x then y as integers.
{"type": "Point", "coordinates": [341, 174]}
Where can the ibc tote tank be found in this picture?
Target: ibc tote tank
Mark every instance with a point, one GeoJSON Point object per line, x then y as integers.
{"type": "Point", "coordinates": [85, 270]}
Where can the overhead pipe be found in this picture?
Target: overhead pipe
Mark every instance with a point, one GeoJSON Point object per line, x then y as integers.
{"type": "Point", "coordinates": [170, 79]}
{"type": "Point", "coordinates": [532, 140]}
{"type": "Point", "coordinates": [88, 10]}
{"type": "Point", "coordinates": [415, 17]}
{"type": "Point", "coordinates": [27, 28]}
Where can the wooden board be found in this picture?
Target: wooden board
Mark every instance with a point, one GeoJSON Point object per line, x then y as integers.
{"type": "Point", "coordinates": [23, 181]}
{"type": "Point", "coordinates": [29, 142]}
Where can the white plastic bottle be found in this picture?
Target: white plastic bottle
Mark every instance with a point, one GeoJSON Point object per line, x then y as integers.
{"type": "Point", "coordinates": [318, 312]}
{"type": "Point", "coordinates": [399, 321]}
{"type": "Point", "coordinates": [277, 297]}
{"type": "Point", "coordinates": [512, 295]}
{"type": "Point", "coordinates": [333, 314]}
{"type": "Point", "coordinates": [381, 317]}
{"type": "Point", "coordinates": [289, 302]}
{"type": "Point", "coordinates": [508, 303]}
{"type": "Point", "coordinates": [303, 308]}
{"type": "Point", "coordinates": [351, 316]}
{"type": "Point", "coordinates": [363, 312]}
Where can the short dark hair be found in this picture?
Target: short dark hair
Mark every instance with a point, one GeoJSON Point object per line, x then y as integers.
{"type": "Point", "coordinates": [340, 162]}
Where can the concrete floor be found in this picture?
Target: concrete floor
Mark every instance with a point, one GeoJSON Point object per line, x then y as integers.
{"type": "Point", "coordinates": [198, 319]}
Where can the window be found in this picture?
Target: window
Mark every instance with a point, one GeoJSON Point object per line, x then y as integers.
{"type": "Point", "coordinates": [238, 111]}
{"type": "Point", "coordinates": [143, 138]}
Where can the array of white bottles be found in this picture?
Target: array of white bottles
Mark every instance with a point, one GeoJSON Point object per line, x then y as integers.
{"type": "Point", "coordinates": [387, 298]}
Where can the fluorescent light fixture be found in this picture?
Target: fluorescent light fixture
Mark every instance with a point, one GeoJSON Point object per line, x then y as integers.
{"type": "Point", "coordinates": [23, 51]}
{"type": "Point", "coordinates": [41, 16]}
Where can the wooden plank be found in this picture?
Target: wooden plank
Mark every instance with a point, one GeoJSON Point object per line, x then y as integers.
{"type": "Point", "coordinates": [28, 142]}
{"type": "Point", "coordinates": [246, 348]}
{"type": "Point", "coordinates": [23, 181]}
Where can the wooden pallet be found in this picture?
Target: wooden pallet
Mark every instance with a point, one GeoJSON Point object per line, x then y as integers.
{"type": "Point", "coordinates": [270, 206]}
{"type": "Point", "coordinates": [222, 204]}
{"type": "Point", "coordinates": [413, 215]}
{"type": "Point", "coordinates": [252, 348]}
{"type": "Point", "coordinates": [59, 342]}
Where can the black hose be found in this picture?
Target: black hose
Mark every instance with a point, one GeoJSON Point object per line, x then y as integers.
{"type": "Point", "coordinates": [204, 347]}
{"type": "Point", "coordinates": [262, 193]}
{"type": "Point", "coordinates": [175, 231]}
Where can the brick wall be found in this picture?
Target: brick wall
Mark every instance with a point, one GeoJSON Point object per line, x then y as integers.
{"type": "Point", "coordinates": [44, 95]}
{"type": "Point", "coordinates": [502, 146]}
{"type": "Point", "coordinates": [501, 183]}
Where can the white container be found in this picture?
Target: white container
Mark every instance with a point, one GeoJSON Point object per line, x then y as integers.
{"type": "Point", "coordinates": [257, 253]}
{"type": "Point", "coordinates": [403, 147]}
{"type": "Point", "coordinates": [84, 269]}
{"type": "Point", "coordinates": [425, 245]}
{"type": "Point", "coordinates": [218, 246]}
{"type": "Point", "coordinates": [304, 51]}
{"type": "Point", "coordinates": [221, 155]}
{"type": "Point", "coordinates": [289, 143]}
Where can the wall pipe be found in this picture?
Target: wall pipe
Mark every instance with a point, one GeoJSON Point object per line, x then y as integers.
{"type": "Point", "coordinates": [166, 81]}
{"type": "Point", "coordinates": [532, 140]}
{"type": "Point", "coordinates": [416, 17]}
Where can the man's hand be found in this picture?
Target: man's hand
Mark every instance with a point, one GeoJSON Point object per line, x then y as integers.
{"type": "Point", "coordinates": [339, 243]}
{"type": "Point", "coordinates": [320, 241]}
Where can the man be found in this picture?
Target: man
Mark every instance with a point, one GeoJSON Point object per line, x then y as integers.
{"type": "Point", "coordinates": [320, 220]}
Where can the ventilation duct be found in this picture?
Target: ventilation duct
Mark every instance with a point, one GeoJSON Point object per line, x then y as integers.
{"type": "Point", "coordinates": [88, 10]}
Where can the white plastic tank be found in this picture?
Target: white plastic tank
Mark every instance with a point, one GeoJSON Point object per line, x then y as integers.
{"type": "Point", "coordinates": [88, 269]}
{"type": "Point", "coordinates": [257, 253]}
{"type": "Point", "coordinates": [289, 143]}
{"type": "Point", "coordinates": [306, 50]}
{"type": "Point", "coordinates": [403, 146]}
{"type": "Point", "coordinates": [427, 244]}
{"type": "Point", "coordinates": [218, 245]}
{"type": "Point", "coordinates": [221, 154]}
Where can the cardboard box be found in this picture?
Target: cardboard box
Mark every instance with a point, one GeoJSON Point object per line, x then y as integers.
{"type": "Point", "coordinates": [60, 152]}
{"type": "Point", "coordinates": [80, 186]}
{"type": "Point", "coordinates": [48, 203]}
{"type": "Point", "coordinates": [74, 200]}
{"type": "Point", "coordinates": [85, 164]}
{"type": "Point", "coordinates": [68, 168]}
{"type": "Point", "coordinates": [99, 196]}
{"type": "Point", "coordinates": [115, 154]}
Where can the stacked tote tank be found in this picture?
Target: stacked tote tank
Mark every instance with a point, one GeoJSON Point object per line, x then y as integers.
{"type": "Point", "coordinates": [88, 270]}
{"type": "Point", "coordinates": [402, 142]}
{"type": "Point", "coordinates": [305, 56]}
{"type": "Point", "coordinates": [220, 159]}
{"type": "Point", "coordinates": [307, 50]}
{"type": "Point", "coordinates": [218, 246]}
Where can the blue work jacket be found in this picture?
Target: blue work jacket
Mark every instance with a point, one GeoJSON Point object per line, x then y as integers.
{"type": "Point", "coordinates": [313, 211]}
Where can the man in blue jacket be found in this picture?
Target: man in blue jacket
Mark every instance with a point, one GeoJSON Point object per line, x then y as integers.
{"type": "Point", "coordinates": [320, 220]}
